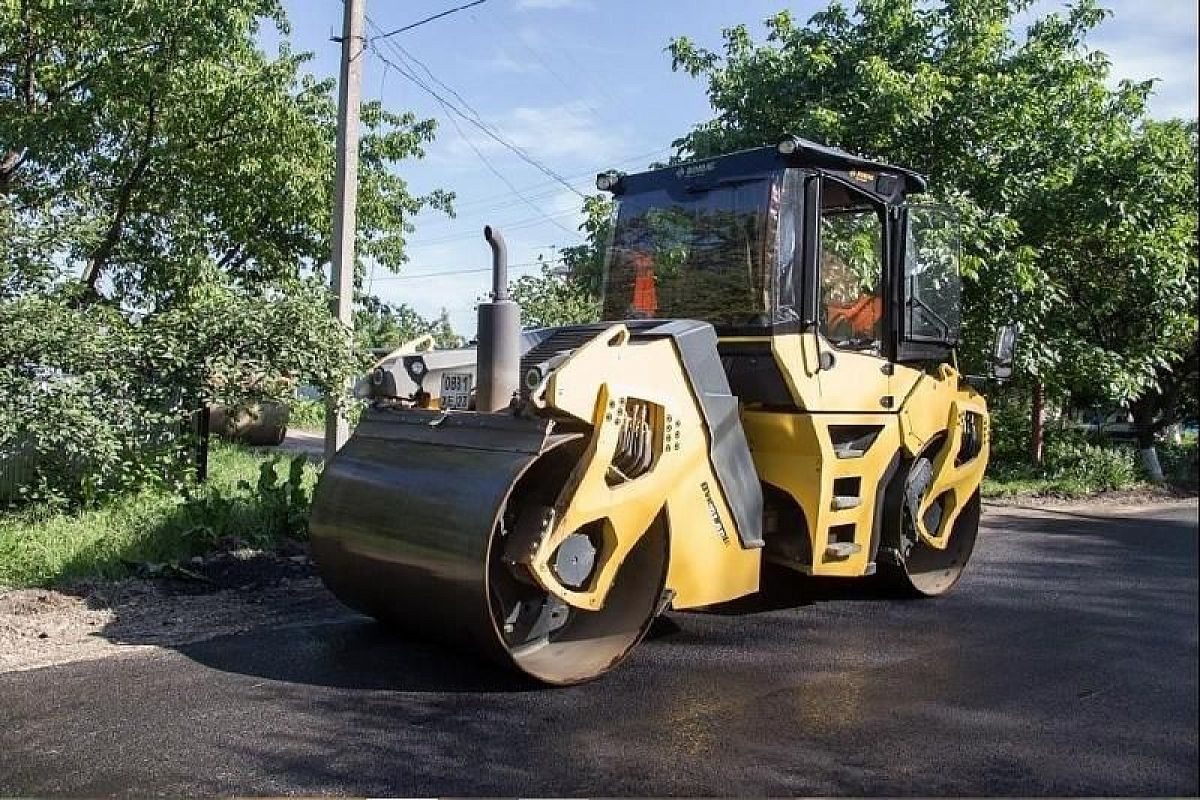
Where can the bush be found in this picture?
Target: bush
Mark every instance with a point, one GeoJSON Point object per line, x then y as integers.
{"type": "Point", "coordinates": [1072, 466]}
{"type": "Point", "coordinates": [95, 402]}
{"type": "Point", "coordinates": [309, 415]}
{"type": "Point", "coordinates": [250, 500]}
{"type": "Point", "coordinates": [77, 419]}
{"type": "Point", "coordinates": [1095, 467]}
{"type": "Point", "coordinates": [1009, 414]}
{"type": "Point", "coordinates": [1180, 463]}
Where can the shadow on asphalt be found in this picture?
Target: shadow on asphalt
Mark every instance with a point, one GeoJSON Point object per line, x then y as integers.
{"type": "Point", "coordinates": [364, 654]}
{"type": "Point", "coordinates": [1074, 557]}
{"type": "Point", "coordinates": [781, 588]}
{"type": "Point", "coordinates": [358, 654]}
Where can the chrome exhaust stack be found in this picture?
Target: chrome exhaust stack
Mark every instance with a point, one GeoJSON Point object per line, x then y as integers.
{"type": "Point", "coordinates": [499, 336]}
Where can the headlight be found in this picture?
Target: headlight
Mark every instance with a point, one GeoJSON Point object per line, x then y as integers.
{"type": "Point", "coordinates": [607, 181]}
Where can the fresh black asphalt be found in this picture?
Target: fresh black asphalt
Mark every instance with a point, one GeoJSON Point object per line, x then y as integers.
{"type": "Point", "coordinates": [1064, 663]}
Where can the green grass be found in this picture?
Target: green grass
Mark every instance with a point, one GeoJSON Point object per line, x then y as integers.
{"type": "Point", "coordinates": [251, 499]}
{"type": "Point", "coordinates": [1076, 468]}
{"type": "Point", "coordinates": [1035, 486]}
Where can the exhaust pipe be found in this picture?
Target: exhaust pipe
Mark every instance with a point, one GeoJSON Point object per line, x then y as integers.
{"type": "Point", "coordinates": [499, 335]}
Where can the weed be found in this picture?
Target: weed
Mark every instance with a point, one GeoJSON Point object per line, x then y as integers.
{"type": "Point", "coordinates": [250, 500]}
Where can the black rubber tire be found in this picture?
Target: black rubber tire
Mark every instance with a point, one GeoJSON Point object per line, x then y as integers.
{"type": "Point", "coordinates": [925, 571]}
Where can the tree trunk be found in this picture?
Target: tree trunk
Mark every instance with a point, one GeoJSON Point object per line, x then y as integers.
{"type": "Point", "coordinates": [1037, 424]}
{"type": "Point", "coordinates": [1143, 421]}
{"type": "Point", "coordinates": [1150, 463]}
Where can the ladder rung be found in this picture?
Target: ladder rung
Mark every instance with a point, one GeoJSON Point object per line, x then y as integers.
{"type": "Point", "coordinates": [842, 549]}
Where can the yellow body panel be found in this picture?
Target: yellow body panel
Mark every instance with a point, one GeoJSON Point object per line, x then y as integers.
{"type": "Point", "coordinates": [936, 407]}
{"type": "Point", "coordinates": [856, 383]}
{"type": "Point", "coordinates": [707, 563]}
{"type": "Point", "coordinates": [792, 451]}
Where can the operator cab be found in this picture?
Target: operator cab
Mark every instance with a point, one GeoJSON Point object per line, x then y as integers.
{"type": "Point", "coordinates": [796, 238]}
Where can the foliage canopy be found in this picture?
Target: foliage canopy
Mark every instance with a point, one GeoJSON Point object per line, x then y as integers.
{"type": "Point", "coordinates": [1080, 214]}
{"type": "Point", "coordinates": [165, 201]}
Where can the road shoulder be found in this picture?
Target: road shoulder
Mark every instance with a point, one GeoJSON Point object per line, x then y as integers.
{"type": "Point", "coordinates": [228, 593]}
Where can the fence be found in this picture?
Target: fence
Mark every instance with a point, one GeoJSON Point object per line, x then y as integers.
{"type": "Point", "coordinates": [17, 469]}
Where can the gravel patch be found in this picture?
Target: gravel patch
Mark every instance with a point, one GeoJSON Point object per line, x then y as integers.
{"type": "Point", "coordinates": [225, 593]}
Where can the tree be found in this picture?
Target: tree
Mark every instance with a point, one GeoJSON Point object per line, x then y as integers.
{"type": "Point", "coordinates": [385, 326]}
{"type": "Point", "coordinates": [568, 291]}
{"type": "Point", "coordinates": [1171, 398]}
{"type": "Point", "coordinates": [164, 218]}
{"type": "Point", "coordinates": [1123, 240]}
{"type": "Point", "coordinates": [139, 145]}
{"type": "Point", "coordinates": [443, 332]}
{"type": "Point", "coordinates": [553, 298]}
{"type": "Point", "coordinates": [584, 263]}
{"type": "Point", "coordinates": [1011, 130]}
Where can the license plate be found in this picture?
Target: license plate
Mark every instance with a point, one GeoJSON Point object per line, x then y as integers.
{"type": "Point", "coordinates": [456, 390]}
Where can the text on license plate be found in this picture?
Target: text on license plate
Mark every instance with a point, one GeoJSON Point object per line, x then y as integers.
{"type": "Point", "coordinates": [456, 390]}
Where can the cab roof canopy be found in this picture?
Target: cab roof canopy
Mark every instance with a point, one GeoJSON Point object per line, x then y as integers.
{"type": "Point", "coordinates": [888, 182]}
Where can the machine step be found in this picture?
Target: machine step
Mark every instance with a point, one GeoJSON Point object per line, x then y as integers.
{"type": "Point", "coordinates": [842, 549]}
{"type": "Point", "coordinates": [842, 502]}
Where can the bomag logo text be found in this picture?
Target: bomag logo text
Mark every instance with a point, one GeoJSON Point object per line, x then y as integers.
{"type": "Point", "coordinates": [713, 514]}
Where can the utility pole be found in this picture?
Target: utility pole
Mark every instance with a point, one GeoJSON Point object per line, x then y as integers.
{"type": "Point", "coordinates": [345, 198]}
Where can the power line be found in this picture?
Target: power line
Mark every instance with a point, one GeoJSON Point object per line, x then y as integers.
{"type": "Point", "coordinates": [478, 121]}
{"type": "Point", "coordinates": [472, 118]}
{"type": "Point", "coordinates": [513, 225]}
{"type": "Point", "coordinates": [399, 50]}
{"type": "Point", "coordinates": [446, 107]}
{"type": "Point", "coordinates": [539, 190]}
{"type": "Point", "coordinates": [487, 131]}
{"type": "Point", "coordinates": [467, 271]}
{"type": "Point", "coordinates": [506, 181]}
{"type": "Point", "coordinates": [431, 18]}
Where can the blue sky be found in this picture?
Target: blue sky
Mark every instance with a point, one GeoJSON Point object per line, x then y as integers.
{"type": "Point", "coordinates": [583, 85]}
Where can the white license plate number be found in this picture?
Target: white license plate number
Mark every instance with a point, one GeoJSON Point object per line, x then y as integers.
{"type": "Point", "coordinates": [456, 390]}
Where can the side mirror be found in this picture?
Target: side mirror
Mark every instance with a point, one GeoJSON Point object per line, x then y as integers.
{"type": "Point", "coordinates": [1004, 351]}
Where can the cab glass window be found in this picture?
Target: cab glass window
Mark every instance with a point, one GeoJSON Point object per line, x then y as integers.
{"type": "Point", "coordinates": [683, 254]}
{"type": "Point", "coordinates": [932, 286]}
{"type": "Point", "coordinates": [851, 269]}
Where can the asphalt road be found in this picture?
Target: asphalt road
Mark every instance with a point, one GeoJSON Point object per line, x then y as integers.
{"type": "Point", "coordinates": [1065, 663]}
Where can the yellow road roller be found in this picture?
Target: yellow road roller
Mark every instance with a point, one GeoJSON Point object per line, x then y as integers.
{"type": "Point", "coordinates": [777, 382]}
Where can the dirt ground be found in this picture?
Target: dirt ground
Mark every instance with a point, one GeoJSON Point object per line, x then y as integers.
{"type": "Point", "coordinates": [245, 589]}
{"type": "Point", "coordinates": [1146, 495]}
{"type": "Point", "coordinates": [225, 593]}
